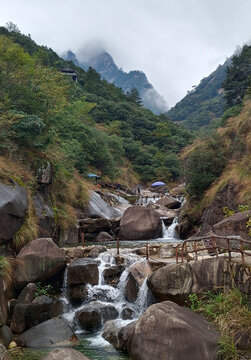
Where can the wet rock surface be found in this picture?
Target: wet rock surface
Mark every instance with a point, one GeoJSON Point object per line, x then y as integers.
{"type": "Point", "coordinates": [112, 274]}
{"type": "Point", "coordinates": [93, 315]}
{"type": "Point", "coordinates": [83, 271]}
{"type": "Point", "coordinates": [137, 273]}
{"type": "Point", "coordinates": [110, 334]}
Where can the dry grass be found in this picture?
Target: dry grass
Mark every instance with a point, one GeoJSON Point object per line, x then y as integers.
{"type": "Point", "coordinates": [7, 268]}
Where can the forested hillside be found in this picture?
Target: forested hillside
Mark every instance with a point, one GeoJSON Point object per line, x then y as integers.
{"type": "Point", "coordinates": [204, 103]}
{"type": "Point", "coordinates": [79, 126]}
{"type": "Point", "coordinates": [218, 169]}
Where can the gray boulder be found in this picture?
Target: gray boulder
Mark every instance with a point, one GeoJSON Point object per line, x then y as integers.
{"type": "Point", "coordinates": [103, 236]}
{"type": "Point", "coordinates": [49, 333]}
{"type": "Point", "coordinates": [140, 223]}
{"type": "Point", "coordinates": [83, 271]}
{"type": "Point", "coordinates": [112, 274]}
{"type": "Point", "coordinates": [65, 354]}
{"type": "Point", "coordinates": [37, 261]}
{"type": "Point", "coordinates": [167, 328]}
{"type": "Point", "coordinates": [5, 336]}
{"type": "Point", "coordinates": [13, 209]}
{"type": "Point", "coordinates": [176, 281]}
{"type": "Point", "coordinates": [99, 208]}
{"type": "Point", "coordinates": [169, 202]}
{"type": "Point", "coordinates": [92, 316]}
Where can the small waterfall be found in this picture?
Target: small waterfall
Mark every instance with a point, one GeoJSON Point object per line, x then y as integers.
{"type": "Point", "coordinates": [64, 289]}
{"type": "Point", "coordinates": [142, 301]}
{"type": "Point", "coordinates": [171, 232]}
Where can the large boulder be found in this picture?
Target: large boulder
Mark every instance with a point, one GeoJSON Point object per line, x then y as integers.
{"type": "Point", "coordinates": [83, 271]}
{"type": "Point", "coordinates": [137, 273]}
{"type": "Point", "coordinates": [176, 281]}
{"type": "Point", "coordinates": [99, 208]}
{"type": "Point", "coordinates": [140, 223]}
{"type": "Point", "coordinates": [92, 316]}
{"type": "Point", "coordinates": [125, 333]}
{"type": "Point", "coordinates": [233, 225]}
{"type": "Point", "coordinates": [65, 354]}
{"type": "Point", "coordinates": [41, 309]}
{"type": "Point", "coordinates": [49, 333]}
{"type": "Point", "coordinates": [37, 261]}
{"type": "Point", "coordinates": [13, 209]}
{"type": "Point", "coordinates": [176, 333]}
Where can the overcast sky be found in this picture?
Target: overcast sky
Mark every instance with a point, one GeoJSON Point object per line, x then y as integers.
{"type": "Point", "coordinates": [175, 42]}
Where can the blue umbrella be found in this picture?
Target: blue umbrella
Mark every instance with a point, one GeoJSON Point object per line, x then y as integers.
{"type": "Point", "coordinates": [158, 183]}
{"type": "Point", "coordinates": [93, 175]}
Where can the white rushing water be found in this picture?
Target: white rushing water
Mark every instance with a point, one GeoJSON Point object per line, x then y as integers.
{"type": "Point", "coordinates": [107, 294]}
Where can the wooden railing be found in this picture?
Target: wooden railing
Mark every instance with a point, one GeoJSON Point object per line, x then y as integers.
{"type": "Point", "coordinates": [209, 243]}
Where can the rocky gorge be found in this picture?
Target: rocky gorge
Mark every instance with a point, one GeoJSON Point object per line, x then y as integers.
{"type": "Point", "coordinates": [84, 287]}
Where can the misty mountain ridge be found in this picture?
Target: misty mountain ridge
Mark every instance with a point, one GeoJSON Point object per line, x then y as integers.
{"type": "Point", "coordinates": [104, 64]}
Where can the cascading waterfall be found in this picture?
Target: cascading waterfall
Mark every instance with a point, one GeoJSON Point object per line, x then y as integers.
{"type": "Point", "coordinates": [171, 232]}
{"type": "Point", "coordinates": [107, 294]}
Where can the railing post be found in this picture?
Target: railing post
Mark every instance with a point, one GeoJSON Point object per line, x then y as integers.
{"type": "Point", "coordinates": [214, 246]}
{"type": "Point", "coordinates": [83, 238]}
{"type": "Point", "coordinates": [229, 249]}
{"type": "Point", "coordinates": [117, 245]}
{"type": "Point", "coordinates": [195, 249]}
{"type": "Point", "coordinates": [147, 251]}
{"type": "Point", "coordinates": [182, 252]}
{"type": "Point", "coordinates": [242, 253]}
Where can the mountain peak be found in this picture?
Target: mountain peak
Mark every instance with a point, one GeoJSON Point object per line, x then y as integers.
{"type": "Point", "coordinates": [104, 64]}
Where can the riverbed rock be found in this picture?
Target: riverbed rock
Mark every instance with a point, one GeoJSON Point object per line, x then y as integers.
{"type": "Point", "coordinates": [48, 333]}
{"type": "Point", "coordinates": [18, 321]}
{"type": "Point", "coordinates": [4, 353]}
{"type": "Point", "coordinates": [90, 225]}
{"type": "Point", "coordinates": [110, 334]}
{"type": "Point", "coordinates": [233, 225]}
{"type": "Point", "coordinates": [5, 336]}
{"type": "Point", "coordinates": [65, 354]}
{"type": "Point", "coordinates": [83, 271]}
{"type": "Point", "coordinates": [112, 274]}
{"type": "Point", "coordinates": [137, 273]}
{"type": "Point", "coordinates": [37, 261]}
{"type": "Point", "coordinates": [103, 236]}
{"type": "Point", "coordinates": [71, 236]}
{"type": "Point", "coordinates": [175, 331]}
{"type": "Point", "coordinates": [167, 251]}
{"type": "Point", "coordinates": [125, 333]}
{"type": "Point", "coordinates": [93, 315]}
{"type": "Point", "coordinates": [127, 313]}
{"type": "Point", "coordinates": [140, 223]}
{"type": "Point", "coordinates": [176, 281]}
{"type": "Point", "coordinates": [169, 202]}
{"type": "Point", "coordinates": [40, 310]}
{"type": "Point", "coordinates": [96, 251]}
{"type": "Point", "coordinates": [13, 209]}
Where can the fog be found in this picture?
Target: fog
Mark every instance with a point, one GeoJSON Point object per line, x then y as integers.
{"type": "Point", "coordinates": [176, 43]}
